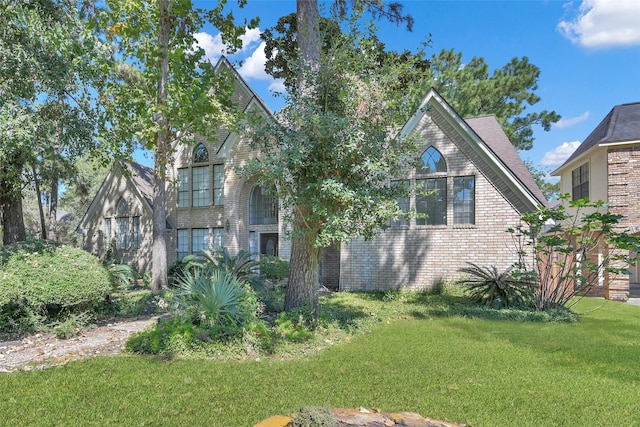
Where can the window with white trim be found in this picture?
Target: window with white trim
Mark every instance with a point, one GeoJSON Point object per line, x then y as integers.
{"type": "Point", "coordinates": [200, 181]}
{"type": "Point", "coordinates": [183, 188]}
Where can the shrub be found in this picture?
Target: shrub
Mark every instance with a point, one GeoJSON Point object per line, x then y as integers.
{"type": "Point", "coordinates": [496, 289]}
{"type": "Point", "coordinates": [295, 326]}
{"type": "Point", "coordinates": [273, 268]}
{"type": "Point", "coordinates": [44, 280]}
{"type": "Point", "coordinates": [312, 416]}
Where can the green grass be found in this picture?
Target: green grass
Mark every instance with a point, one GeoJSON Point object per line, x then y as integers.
{"type": "Point", "coordinates": [475, 371]}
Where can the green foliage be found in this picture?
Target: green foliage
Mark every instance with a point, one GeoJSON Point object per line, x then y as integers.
{"type": "Point", "coordinates": [294, 326]}
{"type": "Point", "coordinates": [506, 94]}
{"type": "Point", "coordinates": [314, 416]}
{"type": "Point", "coordinates": [557, 247]}
{"type": "Point", "coordinates": [124, 276]}
{"type": "Point", "coordinates": [41, 278]}
{"type": "Point", "coordinates": [496, 289]}
{"type": "Point", "coordinates": [273, 268]}
{"type": "Point", "coordinates": [212, 296]}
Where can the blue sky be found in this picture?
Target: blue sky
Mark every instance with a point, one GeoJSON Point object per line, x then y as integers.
{"type": "Point", "coordinates": [588, 52]}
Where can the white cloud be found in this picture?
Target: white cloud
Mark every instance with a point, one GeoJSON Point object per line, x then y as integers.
{"type": "Point", "coordinates": [253, 66]}
{"type": "Point", "coordinates": [214, 47]}
{"type": "Point", "coordinates": [557, 156]}
{"type": "Point", "coordinates": [277, 86]}
{"type": "Point", "coordinates": [565, 123]}
{"type": "Point", "coordinates": [604, 24]}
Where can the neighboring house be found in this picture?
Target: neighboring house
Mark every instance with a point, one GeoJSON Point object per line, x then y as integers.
{"type": "Point", "coordinates": [119, 220]}
{"type": "Point", "coordinates": [481, 187]}
{"type": "Point", "coordinates": [606, 166]}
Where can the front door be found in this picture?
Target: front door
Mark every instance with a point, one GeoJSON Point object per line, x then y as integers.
{"type": "Point", "coordinates": [269, 244]}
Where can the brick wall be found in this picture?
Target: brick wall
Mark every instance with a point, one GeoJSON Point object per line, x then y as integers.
{"type": "Point", "coordinates": [623, 196]}
{"type": "Point", "coordinates": [417, 257]}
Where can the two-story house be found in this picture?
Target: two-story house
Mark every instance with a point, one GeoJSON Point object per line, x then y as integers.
{"type": "Point", "coordinates": [606, 166]}
{"type": "Point", "coordinates": [480, 188]}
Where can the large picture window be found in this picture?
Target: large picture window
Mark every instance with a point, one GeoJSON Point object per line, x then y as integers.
{"type": "Point", "coordinates": [263, 207]}
{"type": "Point", "coordinates": [464, 199]}
{"type": "Point", "coordinates": [580, 182]}
{"type": "Point", "coordinates": [432, 202]}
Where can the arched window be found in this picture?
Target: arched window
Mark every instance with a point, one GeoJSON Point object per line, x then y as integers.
{"type": "Point", "coordinates": [432, 162]}
{"type": "Point", "coordinates": [200, 154]}
{"type": "Point", "coordinates": [122, 208]}
{"type": "Point", "coordinates": [263, 207]}
{"type": "Point", "coordinates": [432, 202]}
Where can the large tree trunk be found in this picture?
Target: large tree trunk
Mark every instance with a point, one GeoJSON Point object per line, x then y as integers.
{"type": "Point", "coordinates": [12, 219]}
{"type": "Point", "coordinates": [159, 247]}
{"type": "Point", "coordinates": [304, 270]}
{"type": "Point", "coordinates": [309, 44]}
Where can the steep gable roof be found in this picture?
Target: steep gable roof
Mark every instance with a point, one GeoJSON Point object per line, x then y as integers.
{"type": "Point", "coordinates": [622, 124]}
{"type": "Point", "coordinates": [139, 179]}
{"type": "Point", "coordinates": [486, 144]}
{"type": "Point", "coordinates": [488, 128]}
{"type": "Point", "coordinates": [142, 177]}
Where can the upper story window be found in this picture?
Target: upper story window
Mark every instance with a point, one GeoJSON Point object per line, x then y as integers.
{"type": "Point", "coordinates": [263, 207]}
{"type": "Point", "coordinates": [436, 189]}
{"type": "Point", "coordinates": [200, 154]}
{"type": "Point", "coordinates": [122, 208]}
{"type": "Point", "coordinates": [432, 162]}
{"type": "Point", "coordinates": [431, 202]}
{"type": "Point", "coordinates": [197, 185]}
{"type": "Point", "coordinates": [580, 182]}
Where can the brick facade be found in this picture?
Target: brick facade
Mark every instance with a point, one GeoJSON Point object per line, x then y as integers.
{"type": "Point", "coordinates": [418, 256]}
{"type": "Point", "coordinates": [623, 196]}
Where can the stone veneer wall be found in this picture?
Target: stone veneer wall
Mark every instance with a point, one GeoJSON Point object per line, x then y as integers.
{"type": "Point", "coordinates": [623, 197]}
{"type": "Point", "coordinates": [417, 257]}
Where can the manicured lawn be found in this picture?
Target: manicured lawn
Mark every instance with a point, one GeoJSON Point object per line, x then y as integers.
{"type": "Point", "coordinates": [479, 372]}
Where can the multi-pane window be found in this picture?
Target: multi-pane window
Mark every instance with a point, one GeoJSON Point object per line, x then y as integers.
{"type": "Point", "coordinates": [403, 202]}
{"type": "Point", "coordinates": [580, 182]}
{"type": "Point", "coordinates": [431, 162]}
{"type": "Point", "coordinates": [464, 199]}
{"type": "Point", "coordinates": [122, 225]}
{"type": "Point", "coordinates": [218, 185]}
{"type": "Point", "coordinates": [135, 239]}
{"type": "Point", "coordinates": [200, 154]}
{"type": "Point", "coordinates": [431, 202]}
{"type": "Point", "coordinates": [199, 240]}
{"type": "Point", "coordinates": [183, 188]}
{"type": "Point", "coordinates": [263, 207]}
{"type": "Point", "coordinates": [107, 228]}
{"type": "Point", "coordinates": [183, 243]}
{"type": "Point", "coordinates": [200, 180]}
{"type": "Point", "coordinates": [218, 239]}
{"type": "Point", "coordinates": [122, 233]}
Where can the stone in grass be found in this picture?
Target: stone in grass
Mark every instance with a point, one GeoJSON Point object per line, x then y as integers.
{"type": "Point", "coordinates": [362, 417]}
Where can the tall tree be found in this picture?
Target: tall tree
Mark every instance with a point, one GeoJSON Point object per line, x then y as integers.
{"type": "Point", "coordinates": [163, 92]}
{"type": "Point", "coordinates": [310, 96]}
{"type": "Point", "coordinates": [47, 58]}
{"type": "Point", "coordinates": [329, 155]}
{"type": "Point", "coordinates": [506, 93]}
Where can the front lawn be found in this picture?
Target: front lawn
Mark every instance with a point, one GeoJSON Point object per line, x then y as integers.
{"type": "Point", "coordinates": [479, 372]}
